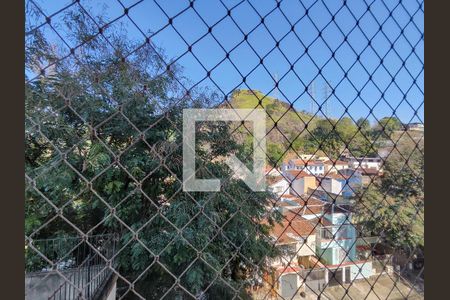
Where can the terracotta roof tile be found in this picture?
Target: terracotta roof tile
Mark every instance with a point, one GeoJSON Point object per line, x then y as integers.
{"type": "Point", "coordinates": [274, 179]}
{"type": "Point", "coordinates": [337, 176]}
{"type": "Point", "coordinates": [298, 174]}
{"type": "Point", "coordinates": [288, 231]}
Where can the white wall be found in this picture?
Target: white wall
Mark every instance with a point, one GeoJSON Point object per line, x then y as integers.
{"type": "Point", "coordinates": [332, 186]}
{"type": "Point", "coordinates": [298, 187]}
{"type": "Point", "coordinates": [316, 170]}
{"type": "Point", "coordinates": [308, 248]}
{"type": "Point", "coordinates": [360, 271]}
{"type": "Point", "coordinates": [289, 283]}
{"type": "Point", "coordinates": [279, 188]}
{"type": "Point", "coordinates": [365, 163]}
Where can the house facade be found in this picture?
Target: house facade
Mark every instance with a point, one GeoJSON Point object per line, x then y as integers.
{"type": "Point", "coordinates": [334, 166]}
{"type": "Point", "coordinates": [314, 167]}
{"type": "Point", "coordinates": [415, 126]}
{"type": "Point", "coordinates": [365, 162]}
{"type": "Point", "coordinates": [341, 184]}
{"type": "Point", "coordinates": [278, 185]}
{"type": "Point", "coordinates": [316, 237]}
{"type": "Point", "coordinates": [300, 186]}
{"type": "Point", "coordinates": [336, 248]}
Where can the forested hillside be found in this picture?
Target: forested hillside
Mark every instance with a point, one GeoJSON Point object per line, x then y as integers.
{"type": "Point", "coordinates": [291, 132]}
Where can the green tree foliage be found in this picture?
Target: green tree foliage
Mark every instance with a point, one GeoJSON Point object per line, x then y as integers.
{"type": "Point", "coordinates": [332, 137]}
{"type": "Point", "coordinates": [393, 207]}
{"type": "Point", "coordinates": [363, 124]}
{"type": "Point", "coordinates": [362, 143]}
{"type": "Point", "coordinates": [397, 221]}
{"type": "Point", "coordinates": [275, 154]}
{"type": "Point", "coordinates": [325, 137]}
{"type": "Point", "coordinates": [387, 125]}
{"type": "Point", "coordinates": [102, 144]}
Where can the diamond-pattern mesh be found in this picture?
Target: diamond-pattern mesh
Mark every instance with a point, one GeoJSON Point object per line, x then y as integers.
{"type": "Point", "coordinates": [341, 83]}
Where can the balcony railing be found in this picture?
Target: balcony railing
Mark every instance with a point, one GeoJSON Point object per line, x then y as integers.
{"type": "Point", "coordinates": [85, 266]}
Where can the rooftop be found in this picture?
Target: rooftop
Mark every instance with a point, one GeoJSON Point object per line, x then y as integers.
{"type": "Point", "coordinates": [274, 179]}
{"type": "Point", "coordinates": [336, 162]}
{"type": "Point", "coordinates": [298, 174]}
{"type": "Point", "coordinates": [302, 162]}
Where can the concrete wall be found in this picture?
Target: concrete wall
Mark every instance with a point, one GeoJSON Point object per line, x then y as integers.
{"type": "Point", "coordinates": [112, 294]}
{"type": "Point", "coordinates": [308, 248]}
{"type": "Point", "coordinates": [332, 186]}
{"type": "Point", "coordinates": [108, 291]}
{"type": "Point", "coordinates": [365, 272]}
{"type": "Point", "coordinates": [334, 254]}
{"type": "Point", "coordinates": [40, 286]}
{"type": "Point", "coordinates": [300, 186]}
{"type": "Point", "coordinates": [281, 187]}
{"type": "Point", "coordinates": [289, 283]}
{"type": "Point", "coordinates": [326, 255]}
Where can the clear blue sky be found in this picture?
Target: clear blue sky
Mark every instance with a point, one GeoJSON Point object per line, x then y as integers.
{"type": "Point", "coordinates": [406, 47]}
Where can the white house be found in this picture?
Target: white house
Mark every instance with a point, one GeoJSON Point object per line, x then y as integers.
{"type": "Point", "coordinates": [272, 171]}
{"type": "Point", "coordinates": [278, 185]}
{"type": "Point", "coordinates": [333, 166]}
{"type": "Point", "coordinates": [415, 126]}
{"type": "Point", "coordinates": [365, 162]}
{"type": "Point", "coordinates": [340, 184]}
{"type": "Point", "coordinates": [302, 184]}
{"type": "Point", "coordinates": [295, 238]}
{"type": "Point", "coordinates": [331, 185]}
{"type": "Point", "coordinates": [315, 167]}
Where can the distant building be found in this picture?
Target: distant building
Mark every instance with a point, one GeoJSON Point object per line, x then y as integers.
{"type": "Point", "coordinates": [301, 185]}
{"type": "Point", "coordinates": [295, 174]}
{"type": "Point", "coordinates": [272, 171]}
{"type": "Point", "coordinates": [278, 185]}
{"type": "Point", "coordinates": [367, 174]}
{"type": "Point", "coordinates": [314, 167]}
{"type": "Point", "coordinates": [316, 236]}
{"type": "Point", "coordinates": [333, 166]}
{"type": "Point", "coordinates": [340, 184]}
{"type": "Point", "coordinates": [415, 126]}
{"type": "Point", "coordinates": [365, 162]}
{"type": "Point", "coordinates": [336, 247]}
{"type": "Point", "coordinates": [295, 238]}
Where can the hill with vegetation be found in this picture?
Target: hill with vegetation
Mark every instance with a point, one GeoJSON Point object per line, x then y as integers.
{"type": "Point", "coordinates": [289, 122]}
{"type": "Point", "coordinates": [291, 132]}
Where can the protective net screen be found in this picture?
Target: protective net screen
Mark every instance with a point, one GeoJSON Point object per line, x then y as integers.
{"type": "Point", "coordinates": [119, 93]}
